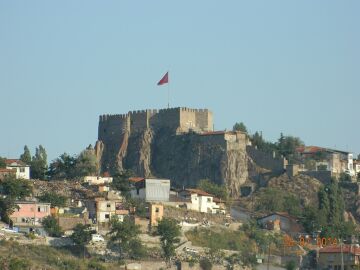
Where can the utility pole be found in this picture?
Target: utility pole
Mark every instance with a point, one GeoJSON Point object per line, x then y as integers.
{"type": "Point", "coordinates": [342, 255]}
{"type": "Point", "coordinates": [268, 261]}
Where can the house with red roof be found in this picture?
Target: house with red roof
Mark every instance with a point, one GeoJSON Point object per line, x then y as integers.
{"type": "Point", "coordinates": [328, 159]}
{"type": "Point", "coordinates": [331, 257]}
{"type": "Point", "coordinates": [22, 170]}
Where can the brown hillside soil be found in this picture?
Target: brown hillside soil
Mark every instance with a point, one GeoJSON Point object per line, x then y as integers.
{"type": "Point", "coordinates": [301, 185]}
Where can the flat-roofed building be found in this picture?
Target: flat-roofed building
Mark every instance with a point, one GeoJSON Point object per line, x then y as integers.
{"type": "Point", "coordinates": [150, 189]}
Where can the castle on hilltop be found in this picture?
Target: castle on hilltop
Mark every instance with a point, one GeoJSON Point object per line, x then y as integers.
{"type": "Point", "coordinates": [177, 143]}
{"type": "Point", "coordinates": [179, 120]}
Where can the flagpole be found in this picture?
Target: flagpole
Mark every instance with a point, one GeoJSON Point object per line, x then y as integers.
{"type": "Point", "coordinates": [168, 93]}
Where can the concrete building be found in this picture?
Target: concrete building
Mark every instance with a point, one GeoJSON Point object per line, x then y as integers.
{"type": "Point", "coordinates": [97, 180]}
{"type": "Point", "coordinates": [22, 171]}
{"type": "Point", "coordinates": [29, 215]}
{"type": "Point", "coordinates": [150, 190]}
{"type": "Point", "coordinates": [331, 257]}
{"type": "Point", "coordinates": [329, 159]}
{"type": "Point", "coordinates": [281, 221]}
{"type": "Point", "coordinates": [357, 166]}
{"type": "Point", "coordinates": [202, 201]}
{"type": "Point", "coordinates": [101, 210]}
{"type": "Point", "coordinates": [156, 213]}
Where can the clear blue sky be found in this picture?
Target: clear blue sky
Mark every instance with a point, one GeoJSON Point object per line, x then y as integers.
{"type": "Point", "coordinates": [278, 66]}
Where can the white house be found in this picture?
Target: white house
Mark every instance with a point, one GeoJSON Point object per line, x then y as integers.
{"type": "Point", "coordinates": [357, 166]}
{"type": "Point", "coordinates": [20, 168]}
{"type": "Point", "coordinates": [97, 180]}
{"type": "Point", "coordinates": [150, 190]}
{"type": "Point", "coordinates": [202, 201]}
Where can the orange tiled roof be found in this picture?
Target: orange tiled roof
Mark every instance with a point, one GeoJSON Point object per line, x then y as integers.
{"type": "Point", "coordinates": [198, 191]}
{"type": "Point", "coordinates": [5, 170]}
{"type": "Point", "coordinates": [310, 149]}
{"type": "Point", "coordinates": [136, 179]}
{"type": "Point", "coordinates": [17, 161]}
{"type": "Point", "coordinates": [283, 214]}
{"type": "Point", "coordinates": [337, 249]}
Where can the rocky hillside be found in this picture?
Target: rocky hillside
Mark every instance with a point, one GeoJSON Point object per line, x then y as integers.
{"type": "Point", "coordinates": [185, 158]}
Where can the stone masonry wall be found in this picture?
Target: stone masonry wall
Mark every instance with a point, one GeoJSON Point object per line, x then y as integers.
{"type": "Point", "coordinates": [266, 160]}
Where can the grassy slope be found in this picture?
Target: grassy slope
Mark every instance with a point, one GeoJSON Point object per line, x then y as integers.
{"type": "Point", "coordinates": [44, 257]}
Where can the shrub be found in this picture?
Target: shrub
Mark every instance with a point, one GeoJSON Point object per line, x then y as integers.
{"type": "Point", "coordinates": [291, 265]}
{"type": "Point", "coordinates": [205, 264]}
{"type": "Point", "coordinates": [94, 265]}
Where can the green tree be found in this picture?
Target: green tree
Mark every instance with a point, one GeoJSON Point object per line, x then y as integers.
{"type": "Point", "coordinates": [258, 141]}
{"type": "Point", "coordinates": [291, 265]}
{"type": "Point", "coordinates": [125, 236]}
{"type": "Point", "coordinates": [82, 235]}
{"type": "Point", "coordinates": [344, 177]}
{"type": "Point", "coordinates": [87, 163]}
{"type": "Point", "coordinates": [271, 199]}
{"type": "Point", "coordinates": [7, 207]}
{"type": "Point", "coordinates": [287, 145]}
{"type": "Point", "coordinates": [121, 182]}
{"type": "Point", "coordinates": [26, 156]}
{"type": "Point", "coordinates": [169, 232]}
{"type": "Point", "coordinates": [214, 189]}
{"type": "Point", "coordinates": [292, 205]}
{"type": "Point", "coordinates": [311, 219]}
{"type": "Point", "coordinates": [2, 162]}
{"type": "Point", "coordinates": [240, 127]}
{"type": "Point", "coordinates": [329, 216]}
{"type": "Point", "coordinates": [39, 163]}
{"type": "Point", "coordinates": [248, 258]}
{"type": "Point", "coordinates": [15, 188]}
{"type": "Point", "coordinates": [139, 205]}
{"type": "Point", "coordinates": [63, 167]}
{"type": "Point", "coordinates": [56, 200]}
{"type": "Point", "coordinates": [51, 226]}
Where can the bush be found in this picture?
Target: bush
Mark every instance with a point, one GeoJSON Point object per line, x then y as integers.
{"type": "Point", "coordinates": [94, 265]}
{"type": "Point", "coordinates": [14, 264]}
{"type": "Point", "coordinates": [291, 265]}
{"type": "Point", "coordinates": [51, 226]}
{"type": "Point", "coordinates": [205, 264]}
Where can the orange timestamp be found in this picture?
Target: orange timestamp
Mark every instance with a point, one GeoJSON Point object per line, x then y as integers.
{"type": "Point", "coordinates": [319, 241]}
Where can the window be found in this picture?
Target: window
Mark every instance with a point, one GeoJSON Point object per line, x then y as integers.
{"type": "Point", "coordinates": [208, 199]}
{"type": "Point", "coordinates": [108, 205]}
{"type": "Point", "coordinates": [22, 170]}
{"type": "Point", "coordinates": [39, 209]}
{"type": "Point", "coordinates": [137, 191]}
{"type": "Point", "coordinates": [157, 210]}
{"type": "Point", "coordinates": [107, 216]}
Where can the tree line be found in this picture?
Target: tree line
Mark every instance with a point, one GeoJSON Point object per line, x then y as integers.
{"type": "Point", "coordinates": [327, 217]}
{"type": "Point", "coordinates": [63, 167]}
{"type": "Point", "coordinates": [285, 146]}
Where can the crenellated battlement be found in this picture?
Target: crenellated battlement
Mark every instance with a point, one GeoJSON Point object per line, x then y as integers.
{"type": "Point", "coordinates": [179, 119]}
{"type": "Point", "coordinates": [106, 117]}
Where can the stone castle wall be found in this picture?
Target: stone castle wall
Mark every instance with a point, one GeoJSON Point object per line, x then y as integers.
{"type": "Point", "coordinates": [111, 125]}
{"type": "Point", "coordinates": [176, 119]}
{"type": "Point", "coordinates": [266, 160]}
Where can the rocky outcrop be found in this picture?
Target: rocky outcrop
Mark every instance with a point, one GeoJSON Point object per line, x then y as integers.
{"type": "Point", "coordinates": [183, 158]}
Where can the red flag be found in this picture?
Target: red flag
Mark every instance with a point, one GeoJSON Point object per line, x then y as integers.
{"type": "Point", "coordinates": [164, 79]}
